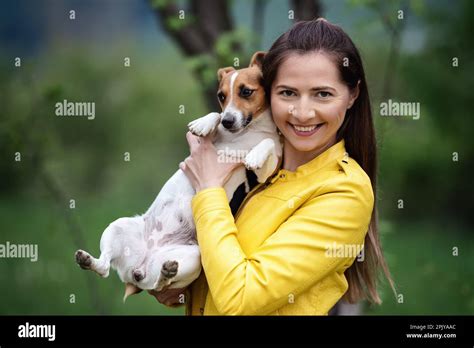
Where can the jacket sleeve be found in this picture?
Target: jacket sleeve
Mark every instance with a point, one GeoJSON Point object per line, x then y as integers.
{"type": "Point", "coordinates": [291, 260]}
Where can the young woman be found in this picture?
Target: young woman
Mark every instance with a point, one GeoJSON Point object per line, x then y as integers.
{"type": "Point", "coordinates": [293, 246]}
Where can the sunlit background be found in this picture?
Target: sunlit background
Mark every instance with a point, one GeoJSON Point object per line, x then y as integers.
{"type": "Point", "coordinates": [149, 73]}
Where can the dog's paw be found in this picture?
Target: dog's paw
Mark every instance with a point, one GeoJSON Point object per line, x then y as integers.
{"type": "Point", "coordinates": [200, 128]}
{"type": "Point", "coordinates": [83, 259]}
{"type": "Point", "coordinates": [169, 269]}
{"type": "Point", "coordinates": [255, 160]}
{"type": "Point", "coordinates": [205, 125]}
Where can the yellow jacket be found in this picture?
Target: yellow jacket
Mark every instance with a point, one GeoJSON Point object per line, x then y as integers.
{"type": "Point", "coordinates": [275, 258]}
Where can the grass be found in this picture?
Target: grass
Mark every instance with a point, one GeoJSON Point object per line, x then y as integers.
{"type": "Point", "coordinates": [46, 286]}
{"type": "Point", "coordinates": [430, 278]}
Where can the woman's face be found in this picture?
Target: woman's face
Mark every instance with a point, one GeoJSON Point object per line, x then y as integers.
{"type": "Point", "coordinates": [309, 101]}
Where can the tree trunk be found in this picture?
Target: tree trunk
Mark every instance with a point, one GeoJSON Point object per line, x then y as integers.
{"type": "Point", "coordinates": [306, 9]}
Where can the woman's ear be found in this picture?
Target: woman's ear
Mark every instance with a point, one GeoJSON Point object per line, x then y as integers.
{"type": "Point", "coordinates": [257, 59]}
{"type": "Point", "coordinates": [222, 72]}
{"type": "Point", "coordinates": [354, 93]}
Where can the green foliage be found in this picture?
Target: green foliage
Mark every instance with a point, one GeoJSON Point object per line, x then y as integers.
{"type": "Point", "coordinates": [176, 23]}
{"type": "Point", "coordinates": [158, 4]}
{"type": "Point", "coordinates": [137, 111]}
{"type": "Point", "coordinates": [205, 66]}
{"type": "Point", "coordinates": [45, 287]}
{"type": "Point", "coordinates": [430, 278]}
{"type": "Point", "coordinates": [417, 156]}
{"type": "Point", "coordinates": [225, 47]}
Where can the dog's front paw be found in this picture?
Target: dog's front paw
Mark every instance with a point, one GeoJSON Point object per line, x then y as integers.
{"type": "Point", "coordinates": [205, 125]}
{"type": "Point", "coordinates": [255, 160]}
{"type": "Point", "coordinates": [83, 259]}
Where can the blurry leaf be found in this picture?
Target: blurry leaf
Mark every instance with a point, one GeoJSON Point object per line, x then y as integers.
{"type": "Point", "coordinates": [199, 61]}
{"type": "Point", "coordinates": [175, 23]}
{"type": "Point", "coordinates": [361, 2]}
{"type": "Point", "coordinates": [205, 66]}
{"type": "Point", "coordinates": [53, 93]}
{"type": "Point", "coordinates": [417, 7]}
{"type": "Point", "coordinates": [158, 4]}
{"type": "Point", "coordinates": [227, 42]}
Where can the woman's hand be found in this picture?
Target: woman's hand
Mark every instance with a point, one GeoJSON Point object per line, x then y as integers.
{"type": "Point", "coordinates": [169, 297]}
{"type": "Point", "coordinates": [203, 167]}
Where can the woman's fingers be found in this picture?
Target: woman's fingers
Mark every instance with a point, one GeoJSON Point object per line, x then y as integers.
{"type": "Point", "coordinates": [184, 164]}
{"type": "Point", "coordinates": [193, 141]}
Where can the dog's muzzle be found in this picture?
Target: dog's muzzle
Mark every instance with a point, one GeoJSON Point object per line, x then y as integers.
{"type": "Point", "coordinates": [228, 121]}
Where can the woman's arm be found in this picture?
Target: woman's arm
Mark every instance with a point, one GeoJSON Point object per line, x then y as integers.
{"type": "Point", "coordinates": [293, 259]}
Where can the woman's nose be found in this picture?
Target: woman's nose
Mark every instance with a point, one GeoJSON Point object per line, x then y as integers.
{"type": "Point", "coordinates": [303, 111]}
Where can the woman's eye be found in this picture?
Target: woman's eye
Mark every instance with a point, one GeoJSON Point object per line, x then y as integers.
{"type": "Point", "coordinates": [287, 93]}
{"type": "Point", "coordinates": [245, 92]}
{"type": "Point", "coordinates": [323, 94]}
{"type": "Point", "coordinates": [221, 97]}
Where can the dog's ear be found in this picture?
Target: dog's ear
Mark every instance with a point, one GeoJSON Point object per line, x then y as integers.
{"type": "Point", "coordinates": [131, 289]}
{"type": "Point", "coordinates": [257, 59]}
{"type": "Point", "coordinates": [224, 71]}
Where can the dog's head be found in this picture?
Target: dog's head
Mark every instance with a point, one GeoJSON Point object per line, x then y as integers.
{"type": "Point", "coordinates": [241, 94]}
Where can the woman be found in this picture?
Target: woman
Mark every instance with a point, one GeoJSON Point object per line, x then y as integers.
{"type": "Point", "coordinates": [293, 246]}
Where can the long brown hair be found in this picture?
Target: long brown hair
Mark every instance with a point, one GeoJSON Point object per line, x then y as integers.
{"type": "Point", "coordinates": [357, 131]}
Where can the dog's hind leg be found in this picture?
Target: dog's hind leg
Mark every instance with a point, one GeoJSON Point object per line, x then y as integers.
{"type": "Point", "coordinates": [183, 266]}
{"type": "Point", "coordinates": [169, 270]}
{"type": "Point", "coordinates": [86, 261]}
{"type": "Point", "coordinates": [111, 245]}
{"type": "Point", "coordinates": [101, 265]}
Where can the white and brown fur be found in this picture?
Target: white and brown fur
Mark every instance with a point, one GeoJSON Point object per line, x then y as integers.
{"type": "Point", "coordinates": [159, 248]}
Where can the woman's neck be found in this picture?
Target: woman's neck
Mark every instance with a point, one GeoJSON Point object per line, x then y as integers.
{"type": "Point", "coordinates": [293, 158]}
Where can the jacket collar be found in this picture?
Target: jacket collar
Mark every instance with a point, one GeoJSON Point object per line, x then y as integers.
{"type": "Point", "coordinates": [331, 155]}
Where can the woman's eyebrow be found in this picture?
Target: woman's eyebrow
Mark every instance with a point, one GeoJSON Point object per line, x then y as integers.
{"type": "Point", "coordinates": [319, 88]}
{"type": "Point", "coordinates": [285, 87]}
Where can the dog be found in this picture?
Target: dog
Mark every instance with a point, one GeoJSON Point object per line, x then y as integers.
{"type": "Point", "coordinates": [159, 249]}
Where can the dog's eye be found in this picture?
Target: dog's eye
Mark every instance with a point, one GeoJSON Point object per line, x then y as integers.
{"type": "Point", "coordinates": [221, 97]}
{"type": "Point", "coordinates": [245, 92]}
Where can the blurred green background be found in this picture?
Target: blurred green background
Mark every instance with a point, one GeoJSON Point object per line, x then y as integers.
{"type": "Point", "coordinates": [138, 112]}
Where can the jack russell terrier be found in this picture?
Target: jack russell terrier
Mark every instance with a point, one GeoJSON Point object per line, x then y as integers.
{"type": "Point", "coordinates": [159, 249]}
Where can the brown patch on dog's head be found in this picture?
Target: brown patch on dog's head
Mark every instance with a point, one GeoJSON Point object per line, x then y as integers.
{"type": "Point", "coordinates": [241, 94]}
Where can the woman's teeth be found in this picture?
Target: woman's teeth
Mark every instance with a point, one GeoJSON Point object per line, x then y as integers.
{"type": "Point", "coordinates": [305, 129]}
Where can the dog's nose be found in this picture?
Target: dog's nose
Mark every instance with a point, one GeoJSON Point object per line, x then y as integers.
{"type": "Point", "coordinates": [138, 275]}
{"type": "Point", "coordinates": [228, 122]}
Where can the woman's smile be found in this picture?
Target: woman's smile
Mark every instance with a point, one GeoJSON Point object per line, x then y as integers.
{"type": "Point", "coordinates": [306, 131]}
